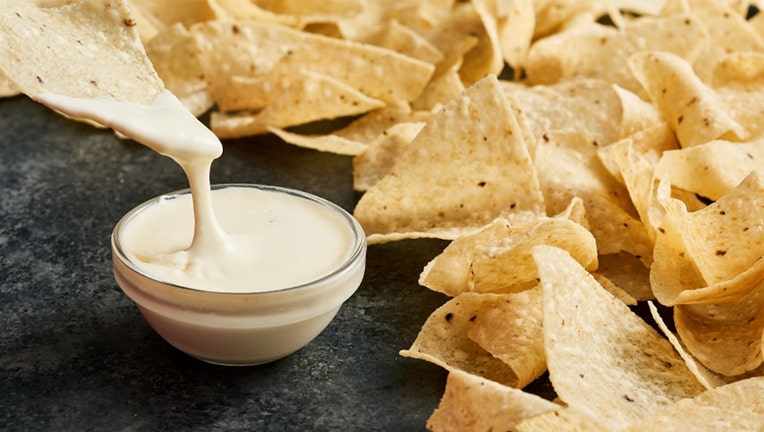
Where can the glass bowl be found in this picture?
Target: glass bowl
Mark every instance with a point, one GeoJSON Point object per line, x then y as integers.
{"type": "Point", "coordinates": [240, 328]}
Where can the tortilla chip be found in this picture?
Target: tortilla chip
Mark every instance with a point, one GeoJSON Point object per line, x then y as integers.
{"type": "Point", "coordinates": [497, 258]}
{"type": "Point", "coordinates": [474, 403]}
{"type": "Point", "coordinates": [711, 169]}
{"type": "Point", "coordinates": [560, 419]}
{"type": "Point", "coordinates": [273, 54]}
{"type": "Point", "coordinates": [510, 330]}
{"type": "Point", "coordinates": [639, 152]}
{"type": "Point", "coordinates": [90, 49]}
{"type": "Point", "coordinates": [576, 106]}
{"type": "Point", "coordinates": [604, 360]}
{"type": "Point", "coordinates": [486, 58]}
{"type": "Point", "coordinates": [445, 338]}
{"type": "Point", "coordinates": [637, 115]}
{"type": "Point", "coordinates": [725, 337]}
{"type": "Point", "coordinates": [553, 16]}
{"type": "Point", "coordinates": [464, 169]}
{"type": "Point", "coordinates": [705, 376]}
{"type": "Point", "coordinates": [714, 254]}
{"type": "Point", "coordinates": [567, 167]}
{"type": "Point", "coordinates": [175, 56]}
{"type": "Point", "coordinates": [742, 70]}
{"type": "Point", "coordinates": [7, 88]}
{"type": "Point", "coordinates": [515, 23]}
{"type": "Point", "coordinates": [598, 51]}
{"type": "Point", "coordinates": [731, 33]}
{"type": "Point", "coordinates": [627, 273]}
{"type": "Point", "coordinates": [325, 143]}
{"type": "Point", "coordinates": [399, 38]}
{"type": "Point", "coordinates": [688, 105]}
{"type": "Point", "coordinates": [164, 14]}
{"type": "Point", "coordinates": [440, 90]}
{"type": "Point", "coordinates": [735, 406]}
{"type": "Point", "coordinates": [376, 160]}
{"type": "Point", "coordinates": [314, 97]}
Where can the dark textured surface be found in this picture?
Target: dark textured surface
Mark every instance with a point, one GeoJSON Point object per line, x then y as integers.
{"type": "Point", "coordinates": [75, 354]}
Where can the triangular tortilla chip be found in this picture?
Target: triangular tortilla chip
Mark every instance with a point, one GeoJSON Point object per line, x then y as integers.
{"type": "Point", "coordinates": [444, 339]}
{"type": "Point", "coordinates": [603, 359]}
{"type": "Point", "coordinates": [692, 109]}
{"type": "Point", "coordinates": [314, 97]}
{"type": "Point", "coordinates": [468, 166]}
{"type": "Point", "coordinates": [733, 407]}
{"type": "Point", "coordinates": [89, 49]}
{"type": "Point", "coordinates": [474, 403]}
{"type": "Point", "coordinates": [693, 266]}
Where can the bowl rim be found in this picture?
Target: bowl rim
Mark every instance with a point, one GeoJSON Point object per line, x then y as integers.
{"type": "Point", "coordinates": [358, 252]}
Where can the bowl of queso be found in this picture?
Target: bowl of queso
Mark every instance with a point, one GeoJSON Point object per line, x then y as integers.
{"type": "Point", "coordinates": [287, 262]}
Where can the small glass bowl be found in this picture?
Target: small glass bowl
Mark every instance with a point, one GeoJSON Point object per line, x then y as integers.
{"type": "Point", "coordinates": [241, 328]}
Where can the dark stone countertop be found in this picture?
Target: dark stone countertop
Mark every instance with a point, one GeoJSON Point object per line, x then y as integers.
{"type": "Point", "coordinates": [75, 354]}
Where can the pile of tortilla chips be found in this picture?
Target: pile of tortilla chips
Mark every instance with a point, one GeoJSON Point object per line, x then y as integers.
{"type": "Point", "coordinates": [581, 157]}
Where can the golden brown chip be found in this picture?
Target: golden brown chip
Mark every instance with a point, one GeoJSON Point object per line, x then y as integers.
{"type": "Point", "coordinates": [88, 49]}
{"type": "Point", "coordinates": [604, 360]}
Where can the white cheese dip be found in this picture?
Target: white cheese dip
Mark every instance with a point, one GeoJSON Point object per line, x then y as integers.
{"type": "Point", "coordinates": [233, 240]}
{"type": "Point", "coordinates": [279, 240]}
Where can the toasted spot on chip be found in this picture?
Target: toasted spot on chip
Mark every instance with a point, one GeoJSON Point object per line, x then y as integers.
{"type": "Point", "coordinates": [604, 360]}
